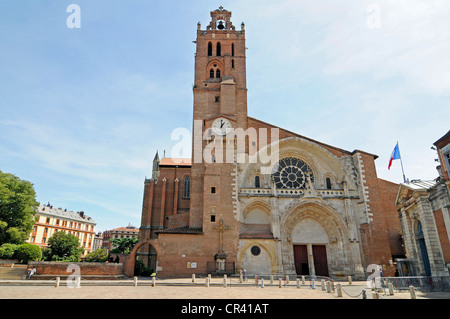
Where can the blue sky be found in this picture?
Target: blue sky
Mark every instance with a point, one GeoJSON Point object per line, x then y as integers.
{"type": "Point", "coordinates": [83, 111]}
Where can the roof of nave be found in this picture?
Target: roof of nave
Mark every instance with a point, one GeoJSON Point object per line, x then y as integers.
{"type": "Point", "coordinates": [187, 162]}
{"type": "Point", "coordinates": [165, 161]}
{"type": "Point", "coordinates": [340, 150]}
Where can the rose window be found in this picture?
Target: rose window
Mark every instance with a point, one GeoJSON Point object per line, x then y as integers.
{"type": "Point", "coordinates": [291, 172]}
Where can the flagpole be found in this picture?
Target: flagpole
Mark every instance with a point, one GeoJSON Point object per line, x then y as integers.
{"type": "Point", "coordinates": [401, 163]}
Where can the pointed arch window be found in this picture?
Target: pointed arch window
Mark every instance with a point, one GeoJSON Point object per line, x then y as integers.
{"type": "Point", "coordinates": [217, 74]}
{"type": "Point", "coordinates": [328, 181]}
{"type": "Point", "coordinates": [232, 49]}
{"type": "Point", "coordinates": [257, 182]}
{"type": "Point", "coordinates": [211, 74]}
{"type": "Point", "coordinates": [209, 49]}
{"type": "Point", "coordinates": [218, 49]}
{"type": "Point", "coordinates": [187, 187]}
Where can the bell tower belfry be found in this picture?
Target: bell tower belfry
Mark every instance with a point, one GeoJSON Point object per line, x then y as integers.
{"type": "Point", "coordinates": [220, 73]}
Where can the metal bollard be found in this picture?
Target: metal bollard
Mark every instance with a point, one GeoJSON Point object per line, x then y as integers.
{"type": "Point", "coordinates": [224, 281]}
{"type": "Point", "coordinates": [135, 281]}
{"type": "Point", "coordinates": [322, 284]}
{"type": "Point", "coordinates": [298, 283]}
{"type": "Point", "coordinates": [207, 282]}
{"type": "Point", "coordinates": [287, 280]}
{"type": "Point", "coordinates": [78, 282]}
{"type": "Point", "coordinates": [364, 294]}
{"type": "Point", "coordinates": [378, 285]}
{"type": "Point", "coordinates": [329, 286]}
{"type": "Point", "coordinates": [280, 282]}
{"type": "Point", "coordinates": [193, 277]}
{"type": "Point", "coordinates": [391, 289]}
{"type": "Point", "coordinates": [412, 292]}
{"type": "Point", "coordinates": [303, 280]}
{"type": "Point", "coordinates": [350, 281]}
{"type": "Point", "coordinates": [262, 282]}
{"type": "Point", "coordinates": [339, 290]}
{"type": "Point", "coordinates": [153, 281]}
{"type": "Point", "coordinates": [313, 284]}
{"type": "Point", "coordinates": [271, 279]}
{"type": "Point", "coordinates": [57, 282]}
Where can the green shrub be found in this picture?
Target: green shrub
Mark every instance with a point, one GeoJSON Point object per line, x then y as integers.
{"type": "Point", "coordinates": [28, 252]}
{"type": "Point", "coordinates": [98, 255]}
{"type": "Point", "coordinates": [146, 271]}
{"type": "Point", "coordinates": [8, 251]}
{"type": "Point", "coordinates": [65, 259]}
{"type": "Point", "coordinates": [65, 246]}
{"type": "Point", "coordinates": [123, 245]}
{"type": "Point", "coordinates": [116, 251]}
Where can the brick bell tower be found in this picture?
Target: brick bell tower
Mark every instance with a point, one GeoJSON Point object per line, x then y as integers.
{"type": "Point", "coordinates": [220, 103]}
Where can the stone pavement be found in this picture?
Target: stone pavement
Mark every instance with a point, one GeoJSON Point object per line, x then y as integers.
{"type": "Point", "coordinates": [185, 289]}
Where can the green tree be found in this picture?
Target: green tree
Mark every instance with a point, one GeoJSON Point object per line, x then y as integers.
{"type": "Point", "coordinates": [8, 251]}
{"type": "Point", "coordinates": [46, 253]}
{"type": "Point", "coordinates": [27, 252]}
{"type": "Point", "coordinates": [98, 255]}
{"type": "Point", "coordinates": [124, 245]}
{"type": "Point", "coordinates": [18, 207]}
{"type": "Point", "coordinates": [64, 246]}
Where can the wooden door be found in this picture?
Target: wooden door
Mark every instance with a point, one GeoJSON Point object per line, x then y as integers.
{"type": "Point", "coordinates": [301, 260]}
{"type": "Point", "coordinates": [426, 261]}
{"type": "Point", "coordinates": [320, 260]}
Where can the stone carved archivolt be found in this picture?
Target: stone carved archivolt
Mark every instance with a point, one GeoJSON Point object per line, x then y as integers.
{"type": "Point", "coordinates": [330, 221]}
{"type": "Point", "coordinates": [260, 204]}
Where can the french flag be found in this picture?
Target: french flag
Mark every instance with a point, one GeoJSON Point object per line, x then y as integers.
{"type": "Point", "coordinates": [395, 155]}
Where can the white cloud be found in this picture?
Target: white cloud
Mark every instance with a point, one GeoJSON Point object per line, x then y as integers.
{"type": "Point", "coordinates": [412, 44]}
{"type": "Point", "coordinates": [90, 160]}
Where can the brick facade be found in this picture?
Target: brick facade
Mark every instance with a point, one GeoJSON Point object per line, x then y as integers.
{"type": "Point", "coordinates": [51, 220]}
{"type": "Point", "coordinates": [93, 271]}
{"type": "Point", "coordinates": [351, 210]}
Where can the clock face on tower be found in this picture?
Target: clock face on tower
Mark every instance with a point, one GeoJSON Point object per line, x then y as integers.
{"type": "Point", "coordinates": [221, 126]}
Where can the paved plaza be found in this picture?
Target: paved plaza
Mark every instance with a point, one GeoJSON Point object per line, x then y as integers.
{"type": "Point", "coordinates": [185, 289]}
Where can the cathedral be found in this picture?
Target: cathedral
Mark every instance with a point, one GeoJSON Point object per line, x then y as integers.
{"type": "Point", "coordinates": [258, 197]}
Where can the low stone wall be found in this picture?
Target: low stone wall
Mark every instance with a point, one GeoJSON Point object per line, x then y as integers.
{"type": "Point", "coordinates": [122, 257]}
{"type": "Point", "coordinates": [94, 271]}
{"type": "Point", "coordinates": [8, 262]}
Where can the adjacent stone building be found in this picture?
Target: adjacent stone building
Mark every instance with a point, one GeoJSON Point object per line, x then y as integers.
{"type": "Point", "coordinates": [117, 233]}
{"type": "Point", "coordinates": [256, 196]}
{"type": "Point", "coordinates": [51, 220]}
{"type": "Point", "coordinates": [98, 241]}
{"type": "Point", "coordinates": [424, 211]}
